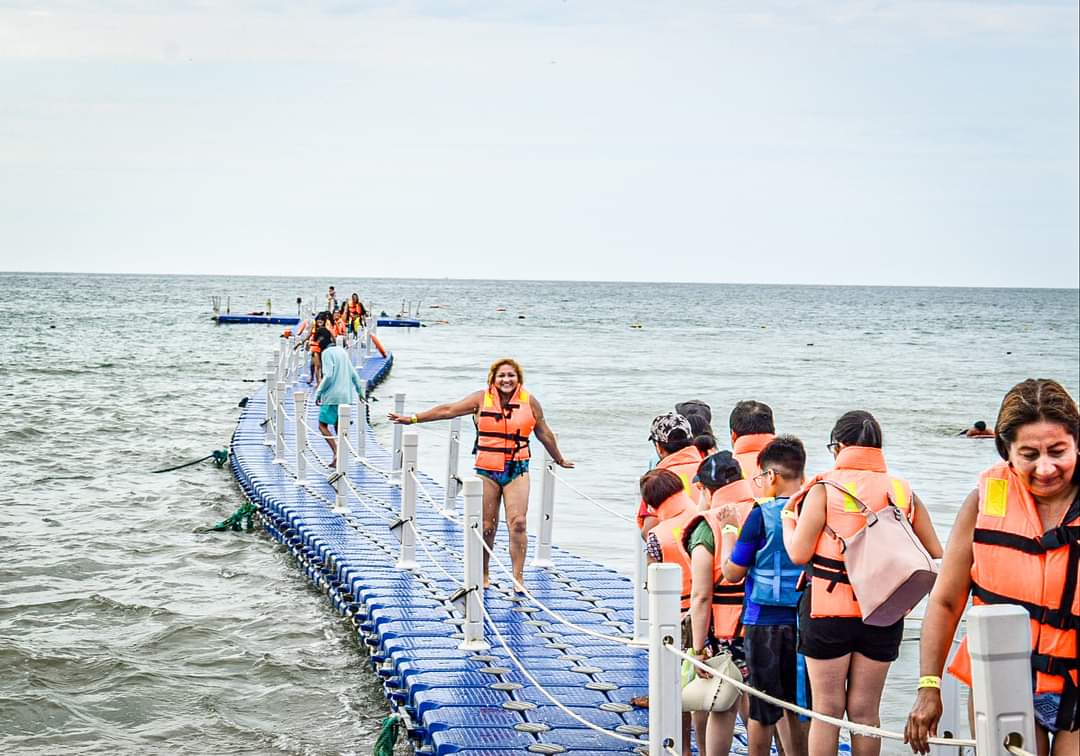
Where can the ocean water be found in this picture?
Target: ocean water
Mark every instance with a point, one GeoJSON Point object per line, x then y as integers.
{"type": "Point", "coordinates": [123, 630]}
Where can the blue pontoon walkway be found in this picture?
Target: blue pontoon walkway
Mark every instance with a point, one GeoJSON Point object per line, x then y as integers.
{"type": "Point", "coordinates": [452, 701]}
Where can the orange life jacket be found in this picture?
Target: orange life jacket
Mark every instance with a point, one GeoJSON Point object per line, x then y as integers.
{"type": "Point", "coordinates": [502, 433]}
{"type": "Point", "coordinates": [1016, 562]}
{"type": "Point", "coordinates": [727, 602]}
{"type": "Point", "coordinates": [683, 463]}
{"type": "Point", "coordinates": [674, 513]}
{"type": "Point", "coordinates": [861, 470]}
{"type": "Point", "coordinates": [356, 309]}
{"type": "Point", "coordinates": [745, 449]}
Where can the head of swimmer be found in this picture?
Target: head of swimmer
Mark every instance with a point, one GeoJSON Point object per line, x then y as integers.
{"type": "Point", "coordinates": [1038, 434]}
{"type": "Point", "coordinates": [506, 375]}
{"type": "Point", "coordinates": [750, 417]}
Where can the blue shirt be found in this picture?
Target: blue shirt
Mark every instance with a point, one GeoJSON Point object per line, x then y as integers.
{"type": "Point", "coordinates": [751, 540]}
{"type": "Point", "coordinates": [340, 383]}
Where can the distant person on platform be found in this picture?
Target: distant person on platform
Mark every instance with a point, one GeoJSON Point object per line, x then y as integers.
{"type": "Point", "coordinates": [331, 300]}
{"type": "Point", "coordinates": [340, 385]}
{"type": "Point", "coordinates": [978, 429]}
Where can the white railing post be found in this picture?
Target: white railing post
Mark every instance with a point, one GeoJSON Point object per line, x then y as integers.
{"type": "Point", "coordinates": [999, 638]}
{"type": "Point", "coordinates": [300, 410]}
{"type": "Point", "coordinates": [279, 424]}
{"type": "Point", "coordinates": [665, 692]}
{"type": "Point", "coordinates": [472, 528]}
{"type": "Point", "coordinates": [276, 364]}
{"type": "Point", "coordinates": [407, 559]}
{"type": "Point", "coordinates": [283, 359]}
{"type": "Point", "coordinates": [361, 428]}
{"type": "Point", "coordinates": [340, 486]}
{"type": "Point", "coordinates": [395, 461]}
{"type": "Point", "coordinates": [547, 514]}
{"type": "Point", "coordinates": [271, 380]}
{"type": "Point", "coordinates": [453, 482]}
{"type": "Point", "coordinates": [641, 596]}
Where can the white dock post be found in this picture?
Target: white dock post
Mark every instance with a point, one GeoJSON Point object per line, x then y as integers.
{"type": "Point", "coordinates": [999, 638]}
{"type": "Point", "coordinates": [283, 358]}
{"type": "Point", "coordinates": [547, 514]}
{"type": "Point", "coordinates": [407, 559]}
{"type": "Point", "coordinates": [665, 692]}
{"type": "Point", "coordinates": [953, 714]}
{"type": "Point", "coordinates": [340, 487]}
{"type": "Point", "coordinates": [453, 482]}
{"type": "Point", "coordinates": [641, 596]}
{"type": "Point", "coordinates": [361, 428]}
{"type": "Point", "coordinates": [271, 380]}
{"type": "Point", "coordinates": [474, 567]}
{"type": "Point", "coordinates": [300, 410]}
{"type": "Point", "coordinates": [275, 364]}
{"type": "Point", "coordinates": [279, 424]}
{"type": "Point", "coordinates": [395, 461]}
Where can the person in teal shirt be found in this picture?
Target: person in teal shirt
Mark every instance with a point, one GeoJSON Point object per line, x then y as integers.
{"type": "Point", "coordinates": [340, 385]}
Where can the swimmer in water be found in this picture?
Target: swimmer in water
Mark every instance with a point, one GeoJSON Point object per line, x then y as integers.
{"type": "Point", "coordinates": [978, 429]}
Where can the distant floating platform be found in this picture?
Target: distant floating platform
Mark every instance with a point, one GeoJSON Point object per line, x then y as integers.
{"type": "Point", "coordinates": [293, 320]}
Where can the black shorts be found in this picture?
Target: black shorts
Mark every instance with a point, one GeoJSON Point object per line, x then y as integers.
{"type": "Point", "coordinates": [770, 655]}
{"type": "Point", "coordinates": [833, 637]}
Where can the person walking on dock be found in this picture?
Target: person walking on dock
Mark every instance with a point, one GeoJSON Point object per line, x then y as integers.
{"type": "Point", "coordinates": [1016, 541]}
{"type": "Point", "coordinates": [505, 415]}
{"type": "Point", "coordinates": [340, 385]}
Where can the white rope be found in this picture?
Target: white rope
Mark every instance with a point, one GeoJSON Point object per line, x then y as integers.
{"type": "Point", "coordinates": [536, 684]}
{"type": "Point", "coordinates": [436, 505]}
{"type": "Point", "coordinates": [602, 636]}
{"type": "Point", "coordinates": [1017, 750]}
{"type": "Point", "coordinates": [853, 727]}
{"type": "Point", "coordinates": [582, 494]}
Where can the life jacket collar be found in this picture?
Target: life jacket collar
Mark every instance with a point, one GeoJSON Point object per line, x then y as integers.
{"type": "Point", "coordinates": [751, 443]}
{"type": "Point", "coordinates": [733, 493]}
{"type": "Point", "coordinates": [861, 458]}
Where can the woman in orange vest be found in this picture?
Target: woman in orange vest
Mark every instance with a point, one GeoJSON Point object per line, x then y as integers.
{"type": "Point", "coordinates": [505, 415]}
{"type": "Point", "coordinates": [315, 350]}
{"type": "Point", "coordinates": [1016, 541]}
{"type": "Point", "coordinates": [847, 660]}
{"type": "Point", "coordinates": [673, 439]}
{"type": "Point", "coordinates": [355, 313]}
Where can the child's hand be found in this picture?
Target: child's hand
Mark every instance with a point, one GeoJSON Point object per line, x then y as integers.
{"type": "Point", "coordinates": [728, 515]}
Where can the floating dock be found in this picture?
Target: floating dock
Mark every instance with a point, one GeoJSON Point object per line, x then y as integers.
{"type": "Point", "coordinates": [494, 702]}
{"type": "Point", "coordinates": [230, 319]}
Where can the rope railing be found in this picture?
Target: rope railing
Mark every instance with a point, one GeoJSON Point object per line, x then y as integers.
{"type": "Point", "coordinates": [853, 727]}
{"type": "Point", "coordinates": [582, 494]}
{"type": "Point", "coordinates": [1016, 750]}
{"type": "Point", "coordinates": [548, 695]}
{"type": "Point", "coordinates": [618, 639]}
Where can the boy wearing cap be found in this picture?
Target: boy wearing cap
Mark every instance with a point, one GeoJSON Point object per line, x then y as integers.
{"type": "Point", "coordinates": [769, 606]}
{"type": "Point", "coordinates": [716, 604]}
{"type": "Point", "coordinates": [674, 442]}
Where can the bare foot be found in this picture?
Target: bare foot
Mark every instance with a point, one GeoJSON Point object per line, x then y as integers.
{"type": "Point", "coordinates": [487, 582]}
{"type": "Point", "coordinates": [333, 463]}
{"type": "Point", "coordinates": [519, 585]}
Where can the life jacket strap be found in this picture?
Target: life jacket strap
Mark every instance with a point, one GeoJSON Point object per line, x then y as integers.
{"type": "Point", "coordinates": [1060, 619]}
{"type": "Point", "coordinates": [832, 570]}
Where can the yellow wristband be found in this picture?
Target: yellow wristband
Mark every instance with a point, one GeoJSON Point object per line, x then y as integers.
{"type": "Point", "coordinates": [787, 514]}
{"type": "Point", "coordinates": [729, 529]}
{"type": "Point", "coordinates": [415, 419]}
{"type": "Point", "coordinates": [929, 681]}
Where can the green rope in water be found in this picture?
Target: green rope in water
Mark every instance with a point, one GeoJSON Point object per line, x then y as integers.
{"type": "Point", "coordinates": [220, 457]}
{"type": "Point", "coordinates": [245, 515]}
{"type": "Point", "coordinates": [388, 735]}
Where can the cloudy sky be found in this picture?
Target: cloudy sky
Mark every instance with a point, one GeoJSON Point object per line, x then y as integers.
{"type": "Point", "coordinates": [835, 141]}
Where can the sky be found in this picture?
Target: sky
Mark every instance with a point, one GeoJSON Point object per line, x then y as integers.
{"type": "Point", "coordinates": [916, 142]}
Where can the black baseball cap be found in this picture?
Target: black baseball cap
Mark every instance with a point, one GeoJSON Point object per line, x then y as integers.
{"type": "Point", "coordinates": [718, 470]}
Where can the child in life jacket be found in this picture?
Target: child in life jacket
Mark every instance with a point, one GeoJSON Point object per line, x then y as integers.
{"type": "Point", "coordinates": [770, 613]}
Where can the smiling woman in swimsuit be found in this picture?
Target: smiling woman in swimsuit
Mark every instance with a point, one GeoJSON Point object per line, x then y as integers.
{"type": "Point", "coordinates": [505, 415]}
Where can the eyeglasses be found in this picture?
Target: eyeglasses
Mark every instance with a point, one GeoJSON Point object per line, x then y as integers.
{"type": "Point", "coordinates": [833, 447]}
{"type": "Point", "coordinates": [759, 478]}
